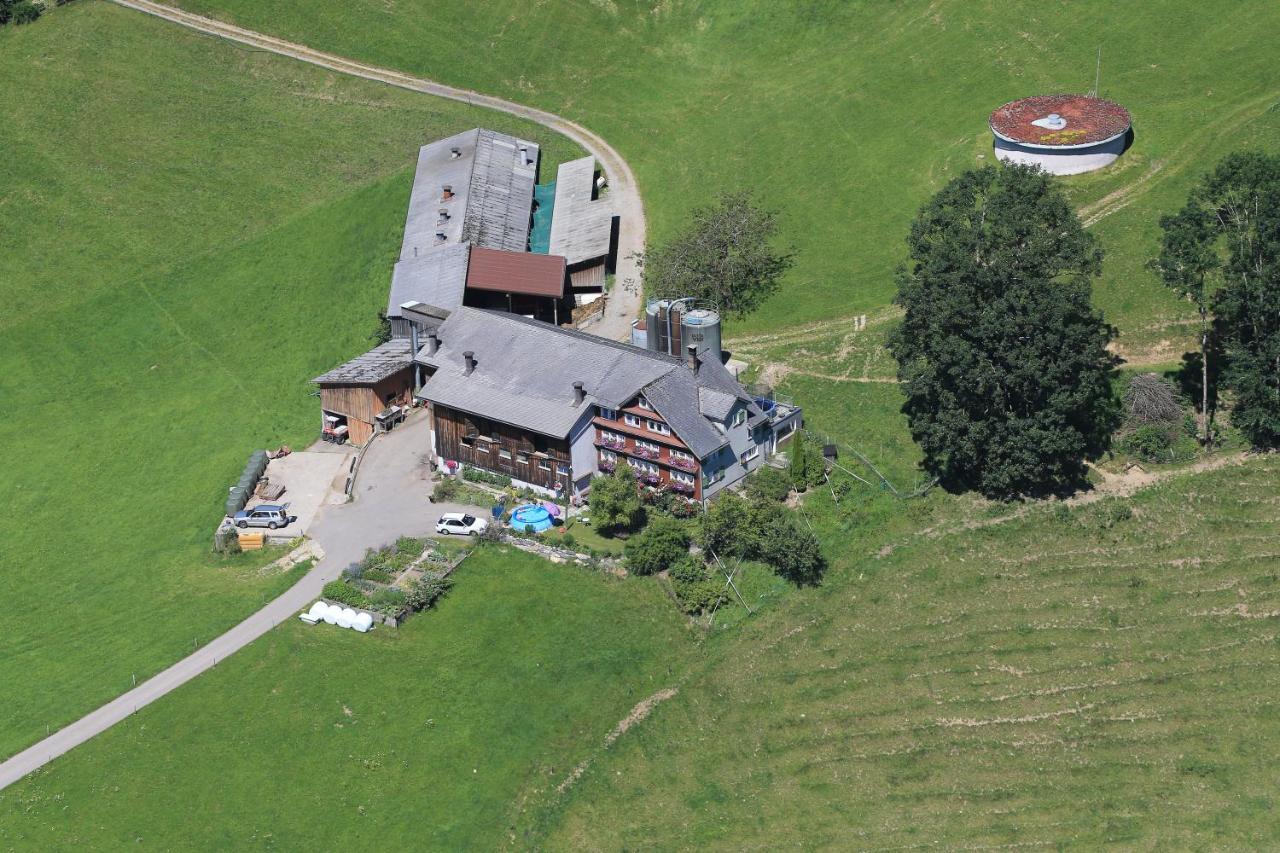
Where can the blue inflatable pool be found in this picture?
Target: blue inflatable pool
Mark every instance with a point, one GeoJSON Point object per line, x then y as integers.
{"type": "Point", "coordinates": [528, 517]}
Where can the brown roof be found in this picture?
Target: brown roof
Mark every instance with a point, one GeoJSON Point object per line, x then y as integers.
{"type": "Point", "coordinates": [516, 272]}
{"type": "Point", "coordinates": [1088, 120]}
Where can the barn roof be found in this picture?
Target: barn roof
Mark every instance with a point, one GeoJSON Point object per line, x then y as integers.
{"type": "Point", "coordinates": [377, 364]}
{"type": "Point", "coordinates": [581, 226]}
{"type": "Point", "coordinates": [525, 370]}
{"type": "Point", "coordinates": [491, 176]}
{"type": "Point", "coordinates": [437, 277]}
{"type": "Point", "coordinates": [516, 272]}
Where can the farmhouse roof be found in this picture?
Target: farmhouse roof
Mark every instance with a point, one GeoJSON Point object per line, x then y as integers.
{"type": "Point", "coordinates": [374, 366]}
{"type": "Point", "coordinates": [437, 277]}
{"type": "Point", "coordinates": [516, 272]}
{"type": "Point", "coordinates": [490, 176]}
{"type": "Point", "coordinates": [581, 226]}
{"type": "Point", "coordinates": [524, 372]}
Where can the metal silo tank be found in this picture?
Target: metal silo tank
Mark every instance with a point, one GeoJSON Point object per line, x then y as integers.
{"type": "Point", "coordinates": [700, 327]}
{"type": "Point", "coordinates": [651, 325]}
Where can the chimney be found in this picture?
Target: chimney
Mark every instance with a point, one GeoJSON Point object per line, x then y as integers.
{"type": "Point", "coordinates": [444, 214]}
{"type": "Point", "coordinates": [446, 192]}
{"type": "Point", "coordinates": [691, 358]}
{"type": "Point", "coordinates": [433, 342]}
{"type": "Point", "coordinates": [578, 394]}
{"type": "Point", "coordinates": [455, 153]}
{"type": "Point", "coordinates": [470, 358]}
{"type": "Point", "coordinates": [441, 237]}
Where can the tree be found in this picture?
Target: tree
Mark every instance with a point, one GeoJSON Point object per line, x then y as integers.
{"type": "Point", "coordinates": [615, 502]}
{"type": "Point", "coordinates": [1222, 251]}
{"type": "Point", "coordinates": [806, 467]}
{"type": "Point", "coordinates": [727, 526]}
{"type": "Point", "coordinates": [791, 549]}
{"type": "Point", "coordinates": [659, 546]}
{"type": "Point", "coordinates": [1001, 356]}
{"type": "Point", "coordinates": [724, 256]}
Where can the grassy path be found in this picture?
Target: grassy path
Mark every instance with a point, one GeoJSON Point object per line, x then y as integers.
{"type": "Point", "coordinates": [624, 302]}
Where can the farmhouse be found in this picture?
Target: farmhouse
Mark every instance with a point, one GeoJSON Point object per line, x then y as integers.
{"type": "Point", "coordinates": [552, 407]}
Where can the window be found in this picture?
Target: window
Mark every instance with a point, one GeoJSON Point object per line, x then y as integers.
{"type": "Point", "coordinates": [522, 458]}
{"type": "Point", "coordinates": [607, 413]}
{"type": "Point", "coordinates": [504, 454]}
{"type": "Point", "coordinates": [750, 454]}
{"type": "Point", "coordinates": [468, 441]}
{"type": "Point", "coordinates": [709, 477]}
{"type": "Point", "coordinates": [631, 420]}
{"type": "Point", "coordinates": [481, 447]}
{"type": "Point", "coordinates": [643, 403]}
{"type": "Point", "coordinates": [563, 468]}
{"type": "Point", "coordinates": [681, 477]}
{"type": "Point", "coordinates": [740, 417]}
{"type": "Point", "coordinates": [544, 464]}
{"type": "Point", "coordinates": [658, 427]}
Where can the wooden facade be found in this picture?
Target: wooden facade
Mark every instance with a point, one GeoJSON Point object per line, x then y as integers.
{"type": "Point", "coordinates": [361, 404]}
{"type": "Point", "coordinates": [660, 459]}
{"type": "Point", "coordinates": [522, 455]}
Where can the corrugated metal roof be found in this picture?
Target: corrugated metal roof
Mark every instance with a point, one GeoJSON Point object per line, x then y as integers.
{"type": "Point", "coordinates": [581, 227]}
{"type": "Point", "coordinates": [374, 366]}
{"type": "Point", "coordinates": [491, 180]}
{"type": "Point", "coordinates": [516, 272]}
{"type": "Point", "coordinates": [437, 278]}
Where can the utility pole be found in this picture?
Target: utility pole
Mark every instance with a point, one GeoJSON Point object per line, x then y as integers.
{"type": "Point", "coordinates": [1097, 73]}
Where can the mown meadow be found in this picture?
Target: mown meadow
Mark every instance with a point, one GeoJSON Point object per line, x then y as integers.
{"type": "Point", "coordinates": [190, 233]}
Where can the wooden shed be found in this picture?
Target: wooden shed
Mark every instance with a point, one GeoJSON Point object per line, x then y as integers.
{"type": "Point", "coordinates": [354, 394]}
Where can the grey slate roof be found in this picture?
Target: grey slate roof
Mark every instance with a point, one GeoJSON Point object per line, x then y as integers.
{"type": "Point", "coordinates": [374, 366]}
{"type": "Point", "coordinates": [492, 182]}
{"type": "Point", "coordinates": [525, 372]}
{"type": "Point", "coordinates": [580, 227]}
{"type": "Point", "coordinates": [437, 277]}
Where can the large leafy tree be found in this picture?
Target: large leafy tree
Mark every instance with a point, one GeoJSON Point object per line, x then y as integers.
{"type": "Point", "coordinates": [1001, 355]}
{"type": "Point", "coordinates": [725, 256]}
{"type": "Point", "coordinates": [615, 502]}
{"type": "Point", "coordinates": [1222, 251]}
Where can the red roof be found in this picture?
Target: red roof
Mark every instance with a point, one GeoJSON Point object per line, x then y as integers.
{"type": "Point", "coordinates": [516, 272]}
{"type": "Point", "coordinates": [1088, 120]}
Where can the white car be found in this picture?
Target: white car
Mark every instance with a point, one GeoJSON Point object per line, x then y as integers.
{"type": "Point", "coordinates": [457, 522]}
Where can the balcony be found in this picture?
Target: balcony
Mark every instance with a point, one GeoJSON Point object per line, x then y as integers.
{"type": "Point", "coordinates": [612, 443]}
{"type": "Point", "coordinates": [651, 453]}
{"type": "Point", "coordinates": [680, 486]}
{"type": "Point", "coordinates": [683, 463]}
{"type": "Point", "coordinates": [606, 465]}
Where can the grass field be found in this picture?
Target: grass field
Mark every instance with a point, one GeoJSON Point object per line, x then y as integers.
{"type": "Point", "coordinates": [191, 232]}
{"type": "Point", "coordinates": [1068, 678]}
{"type": "Point", "coordinates": [442, 734]}
{"type": "Point", "coordinates": [844, 115]}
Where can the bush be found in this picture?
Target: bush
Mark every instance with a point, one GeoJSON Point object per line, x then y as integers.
{"type": "Point", "coordinates": [657, 547]}
{"type": "Point", "coordinates": [791, 549]}
{"type": "Point", "coordinates": [19, 11]}
{"type": "Point", "coordinates": [697, 588]}
{"type": "Point", "coordinates": [427, 590]}
{"type": "Point", "coordinates": [1161, 443]}
{"type": "Point", "coordinates": [445, 490]}
{"type": "Point", "coordinates": [727, 526]}
{"type": "Point", "coordinates": [769, 484]}
{"type": "Point", "coordinates": [377, 575]}
{"type": "Point", "coordinates": [806, 466]}
{"type": "Point", "coordinates": [343, 592]}
{"type": "Point", "coordinates": [478, 475]}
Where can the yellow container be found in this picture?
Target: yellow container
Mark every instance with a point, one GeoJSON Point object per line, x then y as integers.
{"type": "Point", "coordinates": [251, 541]}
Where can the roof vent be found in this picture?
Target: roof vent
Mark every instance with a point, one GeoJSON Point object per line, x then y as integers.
{"type": "Point", "coordinates": [446, 192]}
{"type": "Point", "coordinates": [455, 153]}
{"type": "Point", "coordinates": [470, 358]}
{"type": "Point", "coordinates": [433, 342]}
{"type": "Point", "coordinates": [441, 237]}
{"type": "Point", "coordinates": [1052, 121]}
{"type": "Point", "coordinates": [579, 395]}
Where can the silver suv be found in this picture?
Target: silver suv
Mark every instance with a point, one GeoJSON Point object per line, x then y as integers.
{"type": "Point", "coordinates": [272, 516]}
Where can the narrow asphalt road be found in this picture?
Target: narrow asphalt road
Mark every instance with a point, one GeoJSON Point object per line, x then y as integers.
{"type": "Point", "coordinates": [392, 488]}
{"type": "Point", "coordinates": [624, 300]}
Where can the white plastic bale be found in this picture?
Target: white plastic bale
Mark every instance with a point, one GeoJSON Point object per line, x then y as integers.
{"type": "Point", "coordinates": [317, 610]}
{"type": "Point", "coordinates": [363, 622]}
{"type": "Point", "coordinates": [331, 614]}
{"type": "Point", "coordinates": [346, 617]}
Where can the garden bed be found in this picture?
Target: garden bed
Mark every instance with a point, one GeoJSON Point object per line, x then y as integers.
{"type": "Point", "coordinates": [396, 580]}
